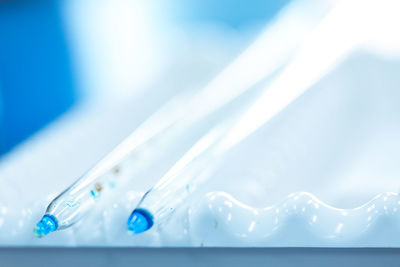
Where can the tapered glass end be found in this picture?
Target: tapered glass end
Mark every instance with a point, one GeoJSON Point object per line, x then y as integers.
{"type": "Point", "coordinates": [46, 225]}
{"type": "Point", "coordinates": [140, 221]}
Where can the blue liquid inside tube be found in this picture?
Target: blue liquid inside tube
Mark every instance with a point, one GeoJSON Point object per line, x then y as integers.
{"type": "Point", "coordinates": [140, 221]}
{"type": "Point", "coordinates": [46, 225]}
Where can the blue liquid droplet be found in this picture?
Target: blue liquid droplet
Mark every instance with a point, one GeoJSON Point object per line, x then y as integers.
{"type": "Point", "coordinates": [46, 225]}
{"type": "Point", "coordinates": [140, 221]}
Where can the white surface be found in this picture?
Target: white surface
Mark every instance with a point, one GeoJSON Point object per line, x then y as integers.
{"type": "Point", "coordinates": [338, 142]}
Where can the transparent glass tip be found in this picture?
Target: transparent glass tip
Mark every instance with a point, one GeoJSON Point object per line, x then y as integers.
{"type": "Point", "coordinates": [46, 225]}
{"type": "Point", "coordinates": [140, 221]}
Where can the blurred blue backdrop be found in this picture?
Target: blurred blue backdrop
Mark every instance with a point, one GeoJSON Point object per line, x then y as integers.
{"type": "Point", "coordinates": [236, 14]}
{"type": "Point", "coordinates": [36, 80]}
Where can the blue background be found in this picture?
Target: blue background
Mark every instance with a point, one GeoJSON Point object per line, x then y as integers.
{"type": "Point", "coordinates": [36, 81]}
{"type": "Point", "coordinates": [36, 77]}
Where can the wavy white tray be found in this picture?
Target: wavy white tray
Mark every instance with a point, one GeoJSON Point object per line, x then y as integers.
{"type": "Point", "coordinates": [300, 220]}
{"type": "Point", "coordinates": [339, 142]}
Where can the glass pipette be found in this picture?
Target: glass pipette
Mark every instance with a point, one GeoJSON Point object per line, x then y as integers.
{"type": "Point", "coordinates": [193, 169]}
{"type": "Point", "coordinates": [76, 201]}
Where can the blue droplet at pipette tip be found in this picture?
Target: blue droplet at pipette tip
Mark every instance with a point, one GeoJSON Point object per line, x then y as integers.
{"type": "Point", "coordinates": [46, 225]}
{"type": "Point", "coordinates": [140, 221]}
